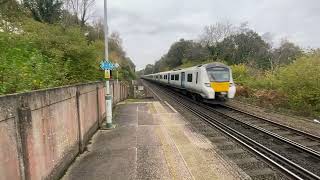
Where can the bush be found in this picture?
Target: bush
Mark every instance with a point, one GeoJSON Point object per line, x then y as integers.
{"type": "Point", "coordinates": [22, 67]}
{"type": "Point", "coordinates": [240, 73]}
{"type": "Point", "coordinates": [301, 82]}
{"type": "Point", "coordinates": [42, 56]}
{"type": "Point", "coordinates": [295, 86]}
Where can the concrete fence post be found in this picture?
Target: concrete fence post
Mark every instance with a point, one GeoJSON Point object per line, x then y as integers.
{"type": "Point", "coordinates": [79, 121]}
{"type": "Point", "coordinates": [98, 106]}
{"type": "Point", "coordinates": [24, 123]}
{"type": "Point", "coordinates": [121, 96]}
{"type": "Point", "coordinates": [123, 91]}
{"type": "Point", "coordinates": [126, 92]}
{"type": "Point", "coordinates": [120, 89]}
{"type": "Point", "coordinates": [114, 90]}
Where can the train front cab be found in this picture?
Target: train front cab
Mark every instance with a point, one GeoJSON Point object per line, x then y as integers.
{"type": "Point", "coordinates": [221, 82]}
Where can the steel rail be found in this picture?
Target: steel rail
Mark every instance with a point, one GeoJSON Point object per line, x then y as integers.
{"type": "Point", "coordinates": [311, 136]}
{"type": "Point", "coordinates": [294, 170]}
{"type": "Point", "coordinates": [281, 138]}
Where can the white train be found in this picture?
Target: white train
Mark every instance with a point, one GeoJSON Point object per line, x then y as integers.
{"type": "Point", "coordinates": [205, 82]}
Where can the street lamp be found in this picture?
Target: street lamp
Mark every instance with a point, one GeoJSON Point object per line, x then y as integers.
{"type": "Point", "coordinates": [108, 96]}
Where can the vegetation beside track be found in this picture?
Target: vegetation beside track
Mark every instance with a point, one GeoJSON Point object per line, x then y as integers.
{"type": "Point", "coordinates": [53, 46]}
{"type": "Point", "coordinates": [283, 76]}
{"type": "Point", "coordinates": [295, 86]}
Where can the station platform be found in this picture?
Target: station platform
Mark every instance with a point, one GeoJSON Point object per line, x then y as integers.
{"type": "Point", "coordinates": [151, 141]}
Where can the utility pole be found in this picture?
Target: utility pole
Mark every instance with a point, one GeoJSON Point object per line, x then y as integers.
{"type": "Point", "coordinates": [108, 96]}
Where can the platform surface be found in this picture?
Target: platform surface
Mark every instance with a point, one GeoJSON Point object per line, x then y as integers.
{"type": "Point", "coordinates": [151, 141]}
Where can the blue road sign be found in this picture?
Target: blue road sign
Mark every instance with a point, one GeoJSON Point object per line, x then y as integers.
{"type": "Point", "coordinates": [107, 65]}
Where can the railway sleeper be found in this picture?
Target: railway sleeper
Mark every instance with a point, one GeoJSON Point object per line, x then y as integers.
{"type": "Point", "coordinates": [246, 160]}
{"type": "Point", "coordinates": [233, 151]}
{"type": "Point", "coordinates": [261, 173]}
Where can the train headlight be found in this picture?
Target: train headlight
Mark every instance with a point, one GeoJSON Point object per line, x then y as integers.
{"type": "Point", "coordinates": [207, 84]}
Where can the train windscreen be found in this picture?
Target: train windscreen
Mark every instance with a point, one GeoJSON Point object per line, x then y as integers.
{"type": "Point", "coordinates": [218, 74]}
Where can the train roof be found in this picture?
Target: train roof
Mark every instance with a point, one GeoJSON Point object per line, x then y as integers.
{"type": "Point", "coordinates": [215, 64]}
{"type": "Point", "coordinates": [209, 65]}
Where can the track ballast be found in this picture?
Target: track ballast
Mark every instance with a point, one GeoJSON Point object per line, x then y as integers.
{"type": "Point", "coordinates": [295, 160]}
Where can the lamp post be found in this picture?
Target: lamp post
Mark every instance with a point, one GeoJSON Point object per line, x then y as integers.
{"type": "Point", "coordinates": [108, 97]}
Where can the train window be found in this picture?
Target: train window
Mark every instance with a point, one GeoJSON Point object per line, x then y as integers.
{"type": "Point", "coordinates": [218, 74]}
{"type": "Point", "coordinates": [160, 76]}
{"type": "Point", "coordinates": [176, 77]}
{"type": "Point", "coordinates": [197, 78]}
{"type": "Point", "coordinates": [172, 77]}
{"type": "Point", "coordinates": [189, 78]}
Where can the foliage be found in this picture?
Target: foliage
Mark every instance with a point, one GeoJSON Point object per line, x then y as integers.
{"type": "Point", "coordinates": [246, 48]}
{"type": "Point", "coordinates": [39, 55]}
{"type": "Point", "coordinates": [301, 82]}
{"type": "Point", "coordinates": [285, 54]}
{"type": "Point", "coordinates": [240, 73]}
{"type": "Point", "coordinates": [212, 34]}
{"type": "Point", "coordinates": [81, 9]}
{"type": "Point", "coordinates": [149, 69]}
{"type": "Point", "coordinates": [22, 67]}
{"type": "Point", "coordinates": [230, 44]}
{"type": "Point", "coordinates": [48, 11]}
{"type": "Point", "coordinates": [295, 86]}
{"type": "Point", "coordinates": [180, 52]}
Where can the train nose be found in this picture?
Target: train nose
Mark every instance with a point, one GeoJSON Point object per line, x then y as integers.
{"type": "Point", "coordinates": [220, 86]}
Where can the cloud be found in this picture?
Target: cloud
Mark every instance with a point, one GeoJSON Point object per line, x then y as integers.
{"type": "Point", "coordinates": [148, 28]}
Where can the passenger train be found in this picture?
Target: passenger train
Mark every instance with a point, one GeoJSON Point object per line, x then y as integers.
{"type": "Point", "coordinates": [211, 82]}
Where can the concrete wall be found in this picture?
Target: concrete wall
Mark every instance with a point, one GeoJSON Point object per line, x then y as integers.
{"type": "Point", "coordinates": [41, 132]}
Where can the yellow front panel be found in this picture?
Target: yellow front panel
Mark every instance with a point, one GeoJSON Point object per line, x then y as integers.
{"type": "Point", "coordinates": [220, 86]}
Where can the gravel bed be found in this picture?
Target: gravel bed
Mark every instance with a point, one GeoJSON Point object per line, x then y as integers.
{"type": "Point", "coordinates": [282, 131]}
{"type": "Point", "coordinates": [301, 123]}
{"type": "Point", "coordinates": [276, 145]}
{"type": "Point", "coordinates": [211, 133]}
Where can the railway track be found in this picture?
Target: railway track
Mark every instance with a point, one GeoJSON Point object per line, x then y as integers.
{"type": "Point", "coordinates": [295, 160]}
{"type": "Point", "coordinates": [309, 142]}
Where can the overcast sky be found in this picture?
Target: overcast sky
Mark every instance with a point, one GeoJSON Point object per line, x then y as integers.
{"type": "Point", "coordinates": [149, 27]}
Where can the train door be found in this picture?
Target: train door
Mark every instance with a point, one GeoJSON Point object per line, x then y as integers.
{"type": "Point", "coordinates": [168, 77]}
{"type": "Point", "coordinates": [183, 79]}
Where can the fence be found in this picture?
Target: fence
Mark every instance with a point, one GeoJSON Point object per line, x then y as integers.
{"type": "Point", "coordinates": [41, 132]}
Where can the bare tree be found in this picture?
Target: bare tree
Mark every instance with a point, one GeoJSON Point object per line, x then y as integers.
{"type": "Point", "coordinates": [243, 28]}
{"type": "Point", "coordinates": [213, 34]}
{"type": "Point", "coordinates": [268, 38]}
{"type": "Point", "coordinates": [86, 10]}
{"type": "Point", "coordinates": [99, 28]}
{"type": "Point", "coordinates": [82, 9]}
{"type": "Point", "coordinates": [286, 53]}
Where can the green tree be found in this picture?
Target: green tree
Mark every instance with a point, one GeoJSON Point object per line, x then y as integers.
{"type": "Point", "coordinates": [177, 53]}
{"type": "Point", "coordinates": [48, 11]}
{"type": "Point", "coordinates": [149, 69]}
{"type": "Point", "coordinates": [287, 53]}
{"type": "Point", "coordinates": [247, 47]}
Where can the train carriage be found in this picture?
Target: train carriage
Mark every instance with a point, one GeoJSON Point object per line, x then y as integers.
{"type": "Point", "coordinates": [207, 82]}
